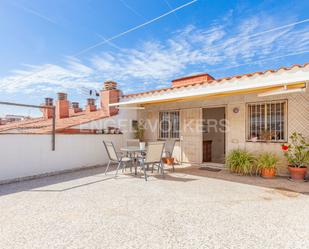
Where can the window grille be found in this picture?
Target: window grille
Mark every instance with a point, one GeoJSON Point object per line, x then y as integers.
{"type": "Point", "coordinates": [169, 124]}
{"type": "Point", "coordinates": [267, 121]}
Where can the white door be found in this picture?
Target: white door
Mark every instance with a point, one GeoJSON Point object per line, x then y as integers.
{"type": "Point", "coordinates": [191, 136]}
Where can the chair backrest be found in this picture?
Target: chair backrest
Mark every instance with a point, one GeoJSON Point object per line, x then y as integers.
{"type": "Point", "coordinates": [169, 147]}
{"type": "Point", "coordinates": [133, 142]}
{"type": "Point", "coordinates": [109, 146]}
{"type": "Point", "coordinates": [154, 152]}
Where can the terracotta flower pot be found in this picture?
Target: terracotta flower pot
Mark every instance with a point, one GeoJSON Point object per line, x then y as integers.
{"type": "Point", "coordinates": [268, 173]}
{"type": "Point", "coordinates": [297, 173]}
{"type": "Point", "coordinates": [170, 160]}
{"type": "Point", "coordinates": [164, 160]}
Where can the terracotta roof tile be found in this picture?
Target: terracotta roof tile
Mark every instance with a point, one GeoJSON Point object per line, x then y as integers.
{"type": "Point", "coordinates": [41, 125]}
{"type": "Point", "coordinates": [218, 80]}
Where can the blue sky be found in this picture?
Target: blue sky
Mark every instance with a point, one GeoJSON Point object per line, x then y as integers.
{"type": "Point", "coordinates": [45, 44]}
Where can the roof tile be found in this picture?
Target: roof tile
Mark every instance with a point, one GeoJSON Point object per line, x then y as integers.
{"type": "Point", "coordinates": [218, 80]}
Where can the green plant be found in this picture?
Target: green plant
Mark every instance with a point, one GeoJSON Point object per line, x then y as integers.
{"type": "Point", "coordinates": [297, 151]}
{"type": "Point", "coordinates": [266, 161]}
{"type": "Point", "coordinates": [241, 162]}
{"type": "Point", "coordinates": [139, 130]}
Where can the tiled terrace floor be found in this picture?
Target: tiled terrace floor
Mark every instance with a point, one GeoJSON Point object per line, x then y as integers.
{"type": "Point", "coordinates": [190, 208]}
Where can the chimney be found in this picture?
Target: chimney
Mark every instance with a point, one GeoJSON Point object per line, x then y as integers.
{"type": "Point", "coordinates": [62, 106]}
{"type": "Point", "coordinates": [91, 107]}
{"type": "Point", "coordinates": [110, 94]}
{"type": "Point", "coordinates": [193, 79]}
{"type": "Point", "coordinates": [47, 113]}
{"type": "Point", "coordinates": [74, 108]}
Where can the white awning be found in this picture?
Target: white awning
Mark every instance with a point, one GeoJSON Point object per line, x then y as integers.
{"type": "Point", "coordinates": [292, 78]}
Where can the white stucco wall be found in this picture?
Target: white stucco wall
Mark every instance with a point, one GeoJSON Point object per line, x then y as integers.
{"type": "Point", "coordinates": [29, 155]}
{"type": "Point", "coordinates": [297, 120]}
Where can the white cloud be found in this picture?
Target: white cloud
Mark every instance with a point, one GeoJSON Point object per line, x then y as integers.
{"type": "Point", "coordinates": [157, 62]}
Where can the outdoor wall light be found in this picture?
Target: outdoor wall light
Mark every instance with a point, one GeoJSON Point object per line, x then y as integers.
{"type": "Point", "coordinates": [236, 110]}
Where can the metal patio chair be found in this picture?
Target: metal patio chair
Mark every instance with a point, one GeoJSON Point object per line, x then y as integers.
{"type": "Point", "coordinates": [133, 142]}
{"type": "Point", "coordinates": [115, 157]}
{"type": "Point", "coordinates": [153, 157]}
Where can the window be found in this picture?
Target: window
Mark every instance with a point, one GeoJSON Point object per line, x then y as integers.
{"type": "Point", "coordinates": [267, 121]}
{"type": "Point", "coordinates": [169, 124]}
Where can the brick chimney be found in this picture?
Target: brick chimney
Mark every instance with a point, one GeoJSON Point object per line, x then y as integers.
{"type": "Point", "coordinates": [74, 108]}
{"type": "Point", "coordinates": [91, 107]}
{"type": "Point", "coordinates": [62, 106]}
{"type": "Point", "coordinates": [47, 113]}
{"type": "Point", "coordinates": [110, 94]}
{"type": "Point", "coordinates": [193, 79]}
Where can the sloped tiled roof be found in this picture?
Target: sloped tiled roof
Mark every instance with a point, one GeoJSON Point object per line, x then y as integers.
{"type": "Point", "coordinates": [216, 80]}
{"type": "Point", "coordinates": [42, 126]}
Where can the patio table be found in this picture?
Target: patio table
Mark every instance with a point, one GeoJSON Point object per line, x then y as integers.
{"type": "Point", "coordinates": [132, 151]}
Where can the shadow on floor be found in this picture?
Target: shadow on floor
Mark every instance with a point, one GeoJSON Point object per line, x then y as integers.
{"type": "Point", "coordinates": [34, 185]}
{"type": "Point", "coordinates": [168, 177]}
{"type": "Point", "coordinates": [49, 183]}
{"type": "Point", "coordinates": [278, 183]}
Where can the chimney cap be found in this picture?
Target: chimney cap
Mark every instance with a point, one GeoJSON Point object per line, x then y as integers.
{"type": "Point", "coordinates": [110, 85]}
{"type": "Point", "coordinates": [49, 101]}
{"type": "Point", "coordinates": [192, 79]}
{"type": "Point", "coordinates": [62, 96]}
{"type": "Point", "coordinates": [91, 101]}
{"type": "Point", "coordinates": [75, 104]}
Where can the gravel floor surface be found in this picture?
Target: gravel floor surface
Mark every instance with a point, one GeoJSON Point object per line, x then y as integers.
{"type": "Point", "coordinates": [87, 209]}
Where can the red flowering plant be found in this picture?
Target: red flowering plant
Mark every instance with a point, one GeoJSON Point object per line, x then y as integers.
{"type": "Point", "coordinates": [297, 151]}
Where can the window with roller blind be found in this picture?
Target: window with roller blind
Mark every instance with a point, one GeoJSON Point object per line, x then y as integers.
{"type": "Point", "coordinates": [267, 121]}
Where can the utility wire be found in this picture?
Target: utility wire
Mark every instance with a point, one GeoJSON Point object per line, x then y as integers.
{"type": "Point", "coordinates": [261, 60]}
{"type": "Point", "coordinates": [134, 28]}
{"type": "Point", "coordinates": [118, 35]}
{"type": "Point", "coordinates": [261, 33]}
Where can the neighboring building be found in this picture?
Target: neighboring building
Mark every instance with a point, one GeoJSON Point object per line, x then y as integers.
{"type": "Point", "coordinates": [69, 115]}
{"type": "Point", "coordinates": [2, 121]}
{"type": "Point", "coordinates": [10, 118]}
{"type": "Point", "coordinates": [208, 117]}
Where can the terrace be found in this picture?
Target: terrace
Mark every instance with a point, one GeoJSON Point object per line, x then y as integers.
{"type": "Point", "coordinates": [189, 208]}
{"type": "Point", "coordinates": [68, 201]}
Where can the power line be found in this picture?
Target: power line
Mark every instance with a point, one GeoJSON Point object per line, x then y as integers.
{"type": "Point", "coordinates": [261, 60]}
{"type": "Point", "coordinates": [134, 28]}
{"type": "Point", "coordinates": [170, 7]}
{"type": "Point", "coordinates": [132, 9]}
{"type": "Point", "coordinates": [263, 32]}
{"type": "Point", "coordinates": [278, 28]}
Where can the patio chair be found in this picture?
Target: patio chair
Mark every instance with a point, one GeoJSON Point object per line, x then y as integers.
{"type": "Point", "coordinates": [153, 157]}
{"type": "Point", "coordinates": [115, 157]}
{"type": "Point", "coordinates": [133, 142]}
{"type": "Point", "coordinates": [169, 149]}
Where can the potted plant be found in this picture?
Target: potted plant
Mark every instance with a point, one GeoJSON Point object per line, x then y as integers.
{"type": "Point", "coordinates": [297, 154]}
{"type": "Point", "coordinates": [139, 130]}
{"type": "Point", "coordinates": [266, 165]}
{"type": "Point", "coordinates": [241, 162]}
{"type": "Point", "coordinates": [170, 160]}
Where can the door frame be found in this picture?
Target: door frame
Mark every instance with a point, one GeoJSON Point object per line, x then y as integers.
{"type": "Point", "coordinates": [225, 130]}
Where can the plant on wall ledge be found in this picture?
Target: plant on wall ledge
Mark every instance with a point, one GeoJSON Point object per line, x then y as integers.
{"type": "Point", "coordinates": [297, 155]}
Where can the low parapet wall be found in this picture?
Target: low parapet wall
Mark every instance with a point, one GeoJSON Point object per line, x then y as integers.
{"type": "Point", "coordinates": [23, 156]}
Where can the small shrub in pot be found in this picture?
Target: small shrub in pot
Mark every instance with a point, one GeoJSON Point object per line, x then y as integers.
{"type": "Point", "coordinates": [267, 164]}
{"type": "Point", "coordinates": [241, 162]}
